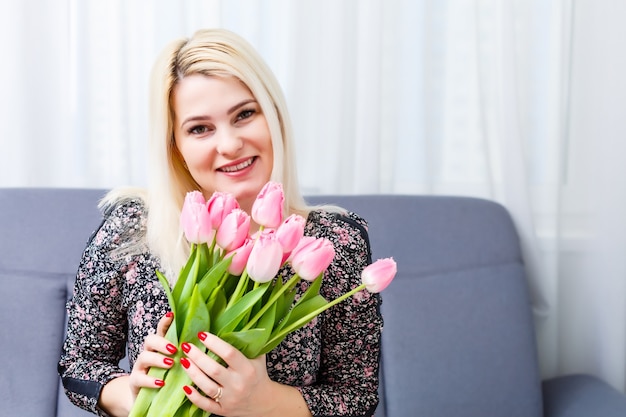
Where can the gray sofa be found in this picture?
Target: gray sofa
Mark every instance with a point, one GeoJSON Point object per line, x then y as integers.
{"type": "Point", "coordinates": [458, 337]}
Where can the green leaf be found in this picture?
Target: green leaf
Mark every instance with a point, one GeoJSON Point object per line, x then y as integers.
{"type": "Point", "coordinates": [266, 323]}
{"type": "Point", "coordinates": [171, 396]}
{"type": "Point", "coordinates": [197, 319]}
{"type": "Point", "coordinates": [143, 402]}
{"type": "Point", "coordinates": [242, 339]}
{"type": "Point", "coordinates": [217, 304]}
{"type": "Point", "coordinates": [285, 314]}
{"type": "Point", "coordinates": [146, 395]}
{"type": "Point", "coordinates": [283, 305]}
{"type": "Point", "coordinates": [276, 285]}
{"type": "Point", "coordinates": [185, 284]}
{"type": "Point", "coordinates": [211, 279]}
{"type": "Point", "coordinates": [194, 411]}
{"type": "Point", "coordinates": [168, 292]}
{"type": "Point", "coordinates": [271, 344]}
{"type": "Point", "coordinates": [205, 260]}
{"type": "Point", "coordinates": [184, 273]}
{"type": "Point", "coordinates": [312, 291]}
{"type": "Point", "coordinates": [183, 410]}
{"type": "Point", "coordinates": [230, 285]}
{"type": "Point", "coordinates": [230, 318]}
{"type": "Point", "coordinates": [297, 317]}
{"type": "Point", "coordinates": [306, 312]}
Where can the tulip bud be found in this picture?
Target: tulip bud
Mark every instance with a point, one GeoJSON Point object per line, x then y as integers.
{"type": "Point", "coordinates": [312, 256]}
{"type": "Point", "coordinates": [219, 205]}
{"type": "Point", "coordinates": [290, 232]}
{"type": "Point", "coordinates": [377, 276]}
{"type": "Point", "coordinates": [265, 258]}
{"type": "Point", "coordinates": [240, 257]}
{"type": "Point", "coordinates": [267, 209]}
{"type": "Point", "coordinates": [233, 230]}
{"type": "Point", "coordinates": [195, 220]}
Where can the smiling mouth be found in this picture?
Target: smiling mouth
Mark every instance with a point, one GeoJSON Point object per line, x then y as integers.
{"type": "Point", "coordinates": [242, 165]}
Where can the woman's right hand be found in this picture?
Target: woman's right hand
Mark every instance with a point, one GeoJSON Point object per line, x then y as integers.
{"type": "Point", "coordinates": [115, 398]}
{"type": "Point", "coordinates": [156, 353]}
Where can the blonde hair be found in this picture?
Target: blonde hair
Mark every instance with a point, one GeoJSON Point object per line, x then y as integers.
{"type": "Point", "coordinates": [211, 52]}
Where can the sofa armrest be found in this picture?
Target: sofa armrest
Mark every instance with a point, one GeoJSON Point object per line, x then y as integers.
{"type": "Point", "coordinates": [582, 396]}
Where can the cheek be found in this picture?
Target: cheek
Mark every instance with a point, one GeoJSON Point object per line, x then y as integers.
{"type": "Point", "coordinates": [193, 153]}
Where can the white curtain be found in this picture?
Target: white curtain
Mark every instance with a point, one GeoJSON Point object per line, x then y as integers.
{"type": "Point", "coordinates": [519, 101]}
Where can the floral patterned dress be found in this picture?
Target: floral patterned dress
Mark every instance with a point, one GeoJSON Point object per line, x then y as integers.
{"type": "Point", "coordinates": [118, 301]}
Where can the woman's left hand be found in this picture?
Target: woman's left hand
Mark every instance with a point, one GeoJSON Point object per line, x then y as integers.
{"type": "Point", "coordinates": [242, 388]}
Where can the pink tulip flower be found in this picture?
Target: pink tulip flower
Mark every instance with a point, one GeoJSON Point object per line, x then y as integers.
{"type": "Point", "coordinates": [377, 276]}
{"type": "Point", "coordinates": [265, 258]}
{"type": "Point", "coordinates": [219, 205]}
{"type": "Point", "coordinates": [267, 209]}
{"type": "Point", "coordinates": [312, 256]}
{"type": "Point", "coordinates": [233, 230]}
{"type": "Point", "coordinates": [195, 220]}
{"type": "Point", "coordinates": [290, 232]}
{"type": "Point", "coordinates": [240, 257]}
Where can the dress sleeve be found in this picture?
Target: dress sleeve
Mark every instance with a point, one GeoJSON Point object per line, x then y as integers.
{"type": "Point", "coordinates": [97, 325]}
{"type": "Point", "coordinates": [347, 383]}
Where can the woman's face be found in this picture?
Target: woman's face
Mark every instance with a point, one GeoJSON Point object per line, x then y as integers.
{"type": "Point", "coordinates": [222, 136]}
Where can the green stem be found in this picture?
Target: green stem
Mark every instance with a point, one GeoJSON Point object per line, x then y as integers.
{"type": "Point", "coordinates": [241, 284]}
{"type": "Point", "coordinates": [271, 301]}
{"type": "Point", "coordinates": [222, 281]}
{"type": "Point", "coordinates": [305, 319]}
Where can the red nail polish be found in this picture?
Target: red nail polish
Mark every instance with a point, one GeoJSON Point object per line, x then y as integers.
{"type": "Point", "coordinates": [169, 314]}
{"type": "Point", "coordinates": [171, 348]}
{"type": "Point", "coordinates": [186, 347]}
{"type": "Point", "coordinates": [168, 361]}
{"type": "Point", "coordinates": [202, 335]}
{"type": "Point", "coordinates": [187, 389]}
{"type": "Point", "coordinates": [159, 382]}
{"type": "Point", "coordinates": [185, 362]}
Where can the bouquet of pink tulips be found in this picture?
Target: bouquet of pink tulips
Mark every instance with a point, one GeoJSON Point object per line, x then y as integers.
{"type": "Point", "coordinates": [228, 288]}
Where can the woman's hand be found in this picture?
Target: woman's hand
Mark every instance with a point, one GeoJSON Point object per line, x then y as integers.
{"type": "Point", "coordinates": [242, 388]}
{"type": "Point", "coordinates": [118, 395]}
{"type": "Point", "coordinates": [156, 351]}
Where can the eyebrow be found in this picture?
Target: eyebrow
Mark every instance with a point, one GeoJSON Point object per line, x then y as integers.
{"type": "Point", "coordinates": [229, 111]}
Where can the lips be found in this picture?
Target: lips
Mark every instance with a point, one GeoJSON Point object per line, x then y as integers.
{"type": "Point", "coordinates": [237, 166]}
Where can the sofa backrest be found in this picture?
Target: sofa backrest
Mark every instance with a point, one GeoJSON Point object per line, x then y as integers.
{"type": "Point", "coordinates": [458, 336]}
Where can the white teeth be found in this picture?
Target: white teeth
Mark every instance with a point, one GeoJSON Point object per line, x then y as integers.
{"type": "Point", "coordinates": [238, 166]}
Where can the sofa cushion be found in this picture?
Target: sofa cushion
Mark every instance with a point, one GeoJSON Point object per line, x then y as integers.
{"type": "Point", "coordinates": [31, 342]}
{"type": "Point", "coordinates": [483, 331]}
{"type": "Point", "coordinates": [44, 232]}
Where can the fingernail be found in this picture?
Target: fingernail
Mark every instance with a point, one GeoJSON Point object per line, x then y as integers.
{"type": "Point", "coordinates": [187, 389]}
{"type": "Point", "coordinates": [168, 361]}
{"type": "Point", "coordinates": [159, 382]}
{"type": "Point", "coordinates": [202, 335]}
{"type": "Point", "coordinates": [171, 348]}
{"type": "Point", "coordinates": [169, 314]}
{"type": "Point", "coordinates": [186, 347]}
{"type": "Point", "coordinates": [185, 363]}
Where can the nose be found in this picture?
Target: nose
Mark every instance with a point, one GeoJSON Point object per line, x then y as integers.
{"type": "Point", "coordinates": [228, 143]}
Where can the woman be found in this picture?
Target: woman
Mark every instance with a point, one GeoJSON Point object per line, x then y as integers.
{"type": "Point", "coordinates": [219, 123]}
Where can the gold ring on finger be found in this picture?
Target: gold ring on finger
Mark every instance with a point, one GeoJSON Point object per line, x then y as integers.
{"type": "Point", "coordinates": [218, 395]}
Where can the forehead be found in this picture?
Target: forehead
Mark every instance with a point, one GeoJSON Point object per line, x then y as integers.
{"type": "Point", "coordinates": [209, 86]}
{"type": "Point", "coordinates": [210, 92]}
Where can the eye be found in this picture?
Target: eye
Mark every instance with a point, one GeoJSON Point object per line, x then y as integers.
{"type": "Point", "coordinates": [245, 114]}
{"type": "Point", "coordinates": [198, 130]}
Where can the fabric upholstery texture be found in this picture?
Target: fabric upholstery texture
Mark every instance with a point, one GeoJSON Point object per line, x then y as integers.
{"type": "Point", "coordinates": [458, 337]}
